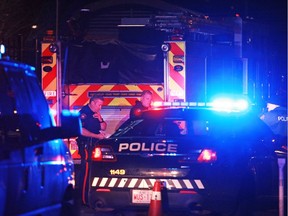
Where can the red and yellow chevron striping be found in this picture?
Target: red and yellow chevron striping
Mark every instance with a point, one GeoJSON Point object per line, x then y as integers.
{"type": "Point", "coordinates": [176, 71]}
{"type": "Point", "coordinates": [114, 95]}
{"type": "Point", "coordinates": [49, 76]}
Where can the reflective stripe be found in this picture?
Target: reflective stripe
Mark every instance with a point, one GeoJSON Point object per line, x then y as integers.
{"type": "Point", "coordinates": [199, 184]}
{"type": "Point", "coordinates": [94, 183]}
{"type": "Point", "coordinates": [112, 182]}
{"type": "Point", "coordinates": [103, 182]}
{"type": "Point", "coordinates": [132, 183]}
{"type": "Point", "coordinates": [176, 78]}
{"type": "Point", "coordinates": [143, 184]}
{"type": "Point", "coordinates": [122, 182]}
{"type": "Point", "coordinates": [152, 181]}
{"type": "Point", "coordinates": [188, 184]}
{"type": "Point", "coordinates": [114, 94]}
{"type": "Point", "coordinates": [176, 183]}
{"type": "Point", "coordinates": [169, 184]}
{"type": "Point", "coordinates": [49, 79]}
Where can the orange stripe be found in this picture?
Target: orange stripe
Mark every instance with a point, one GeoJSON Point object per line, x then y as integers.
{"type": "Point", "coordinates": [156, 96]}
{"type": "Point", "coordinates": [176, 50]}
{"type": "Point", "coordinates": [131, 101]}
{"type": "Point", "coordinates": [83, 96]}
{"type": "Point", "coordinates": [46, 51]}
{"type": "Point", "coordinates": [81, 91]}
{"type": "Point", "coordinates": [48, 78]}
{"type": "Point", "coordinates": [176, 76]}
{"type": "Point", "coordinates": [85, 178]}
{"type": "Point", "coordinates": [107, 101]}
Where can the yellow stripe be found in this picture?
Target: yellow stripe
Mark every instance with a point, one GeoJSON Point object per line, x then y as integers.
{"type": "Point", "coordinates": [161, 93]}
{"type": "Point", "coordinates": [78, 91]}
{"type": "Point", "coordinates": [181, 46]}
{"type": "Point", "coordinates": [133, 87]}
{"type": "Point", "coordinates": [174, 85]}
{"type": "Point", "coordinates": [106, 87]}
{"type": "Point", "coordinates": [52, 85]}
{"type": "Point", "coordinates": [119, 102]}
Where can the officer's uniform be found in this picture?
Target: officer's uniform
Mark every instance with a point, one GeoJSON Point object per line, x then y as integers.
{"type": "Point", "coordinates": [85, 144]}
{"type": "Point", "coordinates": [135, 111]}
{"type": "Point", "coordinates": [91, 124]}
{"type": "Point", "coordinates": [276, 119]}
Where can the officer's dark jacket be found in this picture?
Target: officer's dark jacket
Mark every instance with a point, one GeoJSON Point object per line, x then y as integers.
{"type": "Point", "coordinates": [135, 111]}
{"type": "Point", "coordinates": [89, 122]}
{"type": "Point", "coordinates": [277, 120]}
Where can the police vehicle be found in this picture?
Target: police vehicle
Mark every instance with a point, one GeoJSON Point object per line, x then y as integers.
{"type": "Point", "coordinates": [210, 159]}
{"type": "Point", "coordinates": [37, 173]}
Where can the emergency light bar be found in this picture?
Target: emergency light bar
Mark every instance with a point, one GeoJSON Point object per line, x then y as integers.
{"type": "Point", "coordinates": [230, 105]}
{"type": "Point", "coordinates": [179, 104]}
{"type": "Point", "coordinates": [2, 49]}
{"type": "Point", "coordinates": [219, 104]}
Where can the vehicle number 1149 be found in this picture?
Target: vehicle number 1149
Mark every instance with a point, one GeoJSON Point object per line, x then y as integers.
{"type": "Point", "coordinates": [117, 171]}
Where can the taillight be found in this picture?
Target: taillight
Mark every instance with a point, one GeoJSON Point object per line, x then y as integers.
{"type": "Point", "coordinates": [207, 156]}
{"type": "Point", "coordinates": [103, 153]}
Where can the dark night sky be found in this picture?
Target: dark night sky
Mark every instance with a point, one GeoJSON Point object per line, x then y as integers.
{"type": "Point", "coordinates": [17, 16]}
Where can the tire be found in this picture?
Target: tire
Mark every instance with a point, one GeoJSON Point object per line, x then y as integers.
{"type": "Point", "coordinates": [71, 203]}
{"type": "Point", "coordinates": [246, 197]}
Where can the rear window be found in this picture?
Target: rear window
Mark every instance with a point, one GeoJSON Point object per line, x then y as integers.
{"type": "Point", "coordinates": [150, 127]}
{"type": "Point", "coordinates": [209, 124]}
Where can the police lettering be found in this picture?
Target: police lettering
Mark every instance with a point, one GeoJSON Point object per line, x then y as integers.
{"type": "Point", "coordinates": [283, 118]}
{"type": "Point", "coordinates": [158, 147]}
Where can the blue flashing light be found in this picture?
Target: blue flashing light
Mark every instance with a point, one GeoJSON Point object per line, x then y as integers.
{"type": "Point", "coordinates": [222, 104]}
{"type": "Point", "coordinates": [70, 113]}
{"type": "Point", "coordinates": [2, 49]}
{"type": "Point", "coordinates": [230, 105]}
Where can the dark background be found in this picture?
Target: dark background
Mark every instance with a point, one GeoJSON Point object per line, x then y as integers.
{"type": "Point", "coordinates": [265, 31]}
{"type": "Point", "coordinates": [18, 16]}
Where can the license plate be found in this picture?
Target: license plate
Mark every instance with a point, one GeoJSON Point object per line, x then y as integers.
{"type": "Point", "coordinates": [141, 196]}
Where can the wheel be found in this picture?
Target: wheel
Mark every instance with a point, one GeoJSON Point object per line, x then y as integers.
{"type": "Point", "coordinates": [71, 203]}
{"type": "Point", "coordinates": [246, 197]}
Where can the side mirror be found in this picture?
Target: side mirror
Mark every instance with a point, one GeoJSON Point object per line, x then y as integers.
{"type": "Point", "coordinates": [70, 127]}
{"type": "Point", "coordinates": [70, 124]}
{"type": "Point", "coordinates": [20, 130]}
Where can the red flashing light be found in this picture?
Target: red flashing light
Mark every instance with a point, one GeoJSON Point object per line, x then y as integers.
{"type": "Point", "coordinates": [137, 112]}
{"type": "Point", "coordinates": [188, 192]}
{"type": "Point", "coordinates": [103, 153]}
{"type": "Point", "coordinates": [103, 190]}
{"type": "Point", "coordinates": [97, 154]}
{"type": "Point", "coordinates": [49, 32]}
{"type": "Point", "coordinates": [207, 156]}
{"type": "Point", "coordinates": [237, 15]}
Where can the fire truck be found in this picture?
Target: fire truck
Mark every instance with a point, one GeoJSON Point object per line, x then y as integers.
{"type": "Point", "coordinates": [193, 58]}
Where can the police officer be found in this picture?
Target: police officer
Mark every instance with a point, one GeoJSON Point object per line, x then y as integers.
{"type": "Point", "coordinates": [93, 126]}
{"type": "Point", "coordinates": [143, 104]}
{"type": "Point", "coordinates": [276, 117]}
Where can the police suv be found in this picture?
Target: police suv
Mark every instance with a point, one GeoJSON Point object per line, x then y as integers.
{"type": "Point", "coordinates": [37, 173]}
{"type": "Point", "coordinates": [209, 159]}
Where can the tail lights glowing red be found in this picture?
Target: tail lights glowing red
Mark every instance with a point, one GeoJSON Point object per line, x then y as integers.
{"type": "Point", "coordinates": [207, 156]}
{"type": "Point", "coordinates": [103, 153]}
{"type": "Point", "coordinates": [97, 154]}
